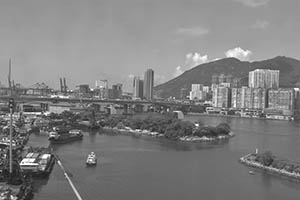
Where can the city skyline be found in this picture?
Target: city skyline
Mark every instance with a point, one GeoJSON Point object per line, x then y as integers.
{"type": "Point", "coordinates": [92, 40]}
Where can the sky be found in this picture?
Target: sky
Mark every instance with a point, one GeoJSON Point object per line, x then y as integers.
{"type": "Point", "coordinates": [89, 40]}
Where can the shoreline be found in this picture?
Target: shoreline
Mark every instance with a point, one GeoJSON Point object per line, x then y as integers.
{"type": "Point", "coordinates": [159, 135]}
{"type": "Point", "coordinates": [236, 116]}
{"type": "Point", "coordinates": [246, 161]}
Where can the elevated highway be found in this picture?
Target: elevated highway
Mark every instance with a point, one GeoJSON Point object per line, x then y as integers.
{"type": "Point", "coordinates": [37, 99]}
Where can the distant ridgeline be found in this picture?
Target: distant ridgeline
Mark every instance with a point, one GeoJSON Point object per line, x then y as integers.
{"type": "Point", "coordinates": [289, 74]}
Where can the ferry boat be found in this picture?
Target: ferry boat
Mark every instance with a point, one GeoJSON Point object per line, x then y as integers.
{"type": "Point", "coordinates": [64, 135]}
{"type": "Point", "coordinates": [91, 159]}
{"type": "Point", "coordinates": [39, 164]}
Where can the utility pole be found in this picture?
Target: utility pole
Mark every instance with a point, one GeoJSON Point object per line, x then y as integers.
{"type": "Point", "coordinates": [11, 106]}
{"type": "Point", "coordinates": [9, 75]}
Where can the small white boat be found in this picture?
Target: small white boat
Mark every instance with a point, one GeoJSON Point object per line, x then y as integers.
{"type": "Point", "coordinates": [251, 172]}
{"type": "Point", "coordinates": [91, 159]}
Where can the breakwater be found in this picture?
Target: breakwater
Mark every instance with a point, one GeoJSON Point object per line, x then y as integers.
{"type": "Point", "coordinates": [249, 161]}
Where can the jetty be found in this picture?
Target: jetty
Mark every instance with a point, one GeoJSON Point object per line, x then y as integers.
{"type": "Point", "coordinates": [68, 178]}
{"type": "Point", "coordinates": [250, 160]}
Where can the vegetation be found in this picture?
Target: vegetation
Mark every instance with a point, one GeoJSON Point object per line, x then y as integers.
{"type": "Point", "coordinates": [268, 159]}
{"type": "Point", "coordinates": [265, 158]}
{"type": "Point", "coordinates": [167, 125]}
{"type": "Point", "coordinates": [72, 119]}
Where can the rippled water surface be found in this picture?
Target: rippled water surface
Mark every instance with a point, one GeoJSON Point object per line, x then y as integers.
{"type": "Point", "coordinates": [148, 168]}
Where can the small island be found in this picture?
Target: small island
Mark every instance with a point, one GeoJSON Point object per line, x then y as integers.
{"type": "Point", "coordinates": [270, 163]}
{"type": "Point", "coordinates": [168, 127]}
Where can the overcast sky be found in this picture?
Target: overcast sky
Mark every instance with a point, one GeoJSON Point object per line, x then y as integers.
{"type": "Point", "coordinates": [88, 40]}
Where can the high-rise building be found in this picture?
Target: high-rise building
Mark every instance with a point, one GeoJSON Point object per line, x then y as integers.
{"type": "Point", "coordinates": [250, 98]}
{"type": "Point", "coordinates": [198, 95]}
{"type": "Point", "coordinates": [236, 97]}
{"type": "Point", "coordinates": [222, 78]}
{"type": "Point", "coordinates": [236, 82]}
{"type": "Point", "coordinates": [148, 84]}
{"type": "Point", "coordinates": [229, 78]}
{"type": "Point", "coordinates": [183, 93]}
{"type": "Point", "coordinates": [197, 87]}
{"type": "Point", "coordinates": [197, 92]}
{"type": "Point", "coordinates": [282, 99]}
{"type": "Point", "coordinates": [138, 87]}
{"type": "Point", "coordinates": [222, 97]}
{"type": "Point", "coordinates": [264, 78]}
{"type": "Point", "coordinates": [215, 79]}
{"type": "Point", "coordinates": [115, 92]}
{"type": "Point", "coordinates": [206, 89]}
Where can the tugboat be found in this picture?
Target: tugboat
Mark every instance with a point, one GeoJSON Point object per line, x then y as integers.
{"type": "Point", "coordinates": [91, 159]}
{"type": "Point", "coordinates": [64, 135]}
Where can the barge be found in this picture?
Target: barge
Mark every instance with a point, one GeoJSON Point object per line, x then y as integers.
{"type": "Point", "coordinates": [59, 136]}
{"type": "Point", "coordinates": [37, 164]}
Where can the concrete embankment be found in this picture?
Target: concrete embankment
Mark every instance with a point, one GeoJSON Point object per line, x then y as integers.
{"type": "Point", "coordinates": [250, 162]}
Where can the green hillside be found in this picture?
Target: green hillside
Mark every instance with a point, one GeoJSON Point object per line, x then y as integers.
{"type": "Point", "coordinates": [289, 73]}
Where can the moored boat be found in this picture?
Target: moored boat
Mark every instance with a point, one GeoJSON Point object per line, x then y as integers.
{"type": "Point", "coordinates": [64, 135]}
{"type": "Point", "coordinates": [91, 159]}
{"type": "Point", "coordinates": [37, 163]}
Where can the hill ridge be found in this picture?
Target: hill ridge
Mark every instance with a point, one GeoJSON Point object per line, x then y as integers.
{"type": "Point", "coordinates": [289, 73]}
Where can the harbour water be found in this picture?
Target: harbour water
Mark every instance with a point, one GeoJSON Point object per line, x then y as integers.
{"type": "Point", "coordinates": [150, 168]}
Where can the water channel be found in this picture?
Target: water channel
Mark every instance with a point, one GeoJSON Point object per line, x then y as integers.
{"type": "Point", "coordinates": [150, 168]}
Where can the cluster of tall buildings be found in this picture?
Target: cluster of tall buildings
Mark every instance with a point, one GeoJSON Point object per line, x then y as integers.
{"type": "Point", "coordinates": [143, 89]}
{"type": "Point", "coordinates": [262, 93]}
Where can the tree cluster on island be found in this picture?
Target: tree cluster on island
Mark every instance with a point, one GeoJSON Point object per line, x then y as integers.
{"type": "Point", "coordinates": [269, 160]}
{"type": "Point", "coordinates": [167, 125]}
{"type": "Point", "coordinates": [71, 118]}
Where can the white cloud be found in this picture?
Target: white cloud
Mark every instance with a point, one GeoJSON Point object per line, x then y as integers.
{"type": "Point", "coordinates": [260, 24]}
{"type": "Point", "coordinates": [193, 31]}
{"type": "Point", "coordinates": [194, 59]}
{"type": "Point", "coordinates": [253, 3]}
{"type": "Point", "coordinates": [216, 59]}
{"type": "Point", "coordinates": [239, 53]}
{"type": "Point", "coordinates": [178, 71]}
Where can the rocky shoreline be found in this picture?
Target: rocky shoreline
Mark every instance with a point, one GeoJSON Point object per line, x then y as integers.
{"type": "Point", "coordinates": [249, 161]}
{"type": "Point", "coordinates": [206, 139]}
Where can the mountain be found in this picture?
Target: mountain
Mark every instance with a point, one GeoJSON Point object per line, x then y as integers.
{"type": "Point", "coordinates": [289, 73]}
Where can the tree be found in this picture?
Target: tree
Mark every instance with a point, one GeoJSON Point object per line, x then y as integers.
{"type": "Point", "coordinates": [179, 129]}
{"type": "Point", "coordinates": [223, 129]}
{"type": "Point", "coordinates": [265, 158]}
